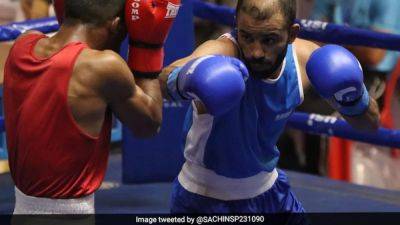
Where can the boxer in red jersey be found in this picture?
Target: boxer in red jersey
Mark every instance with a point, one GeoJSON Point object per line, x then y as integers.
{"type": "Point", "coordinates": [60, 92]}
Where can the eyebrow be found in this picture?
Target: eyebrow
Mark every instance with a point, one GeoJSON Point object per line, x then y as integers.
{"type": "Point", "coordinates": [271, 33]}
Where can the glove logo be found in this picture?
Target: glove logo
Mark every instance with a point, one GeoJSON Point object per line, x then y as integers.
{"type": "Point", "coordinates": [135, 10]}
{"type": "Point", "coordinates": [344, 95]}
{"type": "Point", "coordinates": [172, 10]}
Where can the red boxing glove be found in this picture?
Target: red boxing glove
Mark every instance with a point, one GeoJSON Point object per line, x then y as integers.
{"type": "Point", "coordinates": [148, 23]}
{"type": "Point", "coordinates": [59, 10]}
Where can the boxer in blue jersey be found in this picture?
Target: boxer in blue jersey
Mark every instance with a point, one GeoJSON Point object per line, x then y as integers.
{"type": "Point", "coordinates": [230, 144]}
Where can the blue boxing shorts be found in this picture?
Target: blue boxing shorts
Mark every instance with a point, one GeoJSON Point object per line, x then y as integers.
{"type": "Point", "coordinates": [278, 199]}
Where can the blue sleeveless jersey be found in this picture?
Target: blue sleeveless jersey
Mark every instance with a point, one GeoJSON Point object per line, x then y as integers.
{"type": "Point", "coordinates": [242, 143]}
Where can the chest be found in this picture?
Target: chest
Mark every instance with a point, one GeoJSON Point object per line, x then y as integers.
{"type": "Point", "coordinates": [269, 105]}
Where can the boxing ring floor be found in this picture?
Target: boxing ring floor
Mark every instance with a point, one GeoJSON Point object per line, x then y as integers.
{"type": "Point", "coordinates": [317, 195]}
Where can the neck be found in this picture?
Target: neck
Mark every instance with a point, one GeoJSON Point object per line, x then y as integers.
{"type": "Point", "coordinates": [92, 36]}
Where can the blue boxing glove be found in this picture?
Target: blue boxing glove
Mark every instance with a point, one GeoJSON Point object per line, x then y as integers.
{"type": "Point", "coordinates": [337, 76]}
{"type": "Point", "coordinates": [217, 81]}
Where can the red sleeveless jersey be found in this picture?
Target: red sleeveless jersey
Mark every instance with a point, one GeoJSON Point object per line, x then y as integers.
{"type": "Point", "coordinates": [49, 155]}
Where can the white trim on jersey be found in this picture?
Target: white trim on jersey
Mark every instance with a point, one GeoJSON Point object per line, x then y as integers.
{"type": "Point", "coordinates": [298, 72]}
{"type": "Point", "coordinates": [230, 37]}
{"type": "Point", "coordinates": [273, 81]}
{"type": "Point", "coordinates": [197, 136]}
{"type": "Point", "coordinates": [205, 182]}
{"type": "Point", "coordinates": [25, 204]}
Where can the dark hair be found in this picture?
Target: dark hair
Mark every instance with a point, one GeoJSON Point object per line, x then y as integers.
{"type": "Point", "coordinates": [95, 12]}
{"type": "Point", "coordinates": [287, 8]}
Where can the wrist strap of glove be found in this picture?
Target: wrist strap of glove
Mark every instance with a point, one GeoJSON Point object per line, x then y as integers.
{"type": "Point", "coordinates": [146, 75]}
{"type": "Point", "coordinates": [146, 62]}
{"type": "Point", "coordinates": [355, 108]}
{"type": "Point", "coordinates": [140, 44]}
{"type": "Point", "coordinates": [172, 86]}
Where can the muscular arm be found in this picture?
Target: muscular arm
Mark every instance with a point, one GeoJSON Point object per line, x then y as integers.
{"type": "Point", "coordinates": [366, 121]}
{"type": "Point", "coordinates": [138, 105]}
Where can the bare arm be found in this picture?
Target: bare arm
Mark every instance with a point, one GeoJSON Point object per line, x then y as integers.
{"type": "Point", "coordinates": [366, 121]}
{"type": "Point", "coordinates": [137, 105]}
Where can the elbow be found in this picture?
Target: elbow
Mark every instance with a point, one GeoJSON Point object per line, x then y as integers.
{"type": "Point", "coordinates": [148, 129]}
{"type": "Point", "coordinates": [370, 126]}
{"type": "Point", "coordinates": [154, 128]}
{"type": "Point", "coordinates": [369, 122]}
{"type": "Point", "coordinates": [373, 116]}
{"type": "Point", "coordinates": [374, 124]}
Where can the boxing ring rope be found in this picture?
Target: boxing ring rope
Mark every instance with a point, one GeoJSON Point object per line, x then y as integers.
{"type": "Point", "coordinates": [333, 126]}
{"type": "Point", "coordinates": [11, 31]}
{"type": "Point", "coordinates": [314, 30]}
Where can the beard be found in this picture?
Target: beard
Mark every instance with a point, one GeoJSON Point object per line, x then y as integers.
{"type": "Point", "coordinates": [270, 70]}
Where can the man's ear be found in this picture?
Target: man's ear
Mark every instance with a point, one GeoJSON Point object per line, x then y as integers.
{"type": "Point", "coordinates": [293, 32]}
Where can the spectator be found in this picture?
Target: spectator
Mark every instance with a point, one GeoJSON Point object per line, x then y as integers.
{"type": "Point", "coordinates": [304, 8]}
{"type": "Point", "coordinates": [34, 9]}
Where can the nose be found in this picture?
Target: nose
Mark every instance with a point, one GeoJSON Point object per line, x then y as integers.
{"type": "Point", "coordinates": [256, 50]}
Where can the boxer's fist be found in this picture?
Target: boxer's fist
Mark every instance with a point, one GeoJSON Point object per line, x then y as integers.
{"type": "Point", "coordinates": [217, 81]}
{"type": "Point", "coordinates": [337, 76]}
{"type": "Point", "coordinates": [148, 23]}
{"type": "Point", "coordinates": [59, 10]}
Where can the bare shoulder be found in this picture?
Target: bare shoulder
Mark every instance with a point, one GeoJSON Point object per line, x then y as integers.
{"type": "Point", "coordinates": [221, 46]}
{"type": "Point", "coordinates": [100, 60]}
{"type": "Point", "coordinates": [304, 49]}
{"type": "Point", "coordinates": [103, 70]}
{"type": "Point", "coordinates": [105, 64]}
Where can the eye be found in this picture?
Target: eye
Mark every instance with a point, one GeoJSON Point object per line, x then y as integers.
{"type": "Point", "coordinates": [270, 40]}
{"type": "Point", "coordinates": [246, 37]}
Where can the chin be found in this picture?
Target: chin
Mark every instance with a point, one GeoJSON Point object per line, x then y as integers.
{"type": "Point", "coordinates": [261, 74]}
